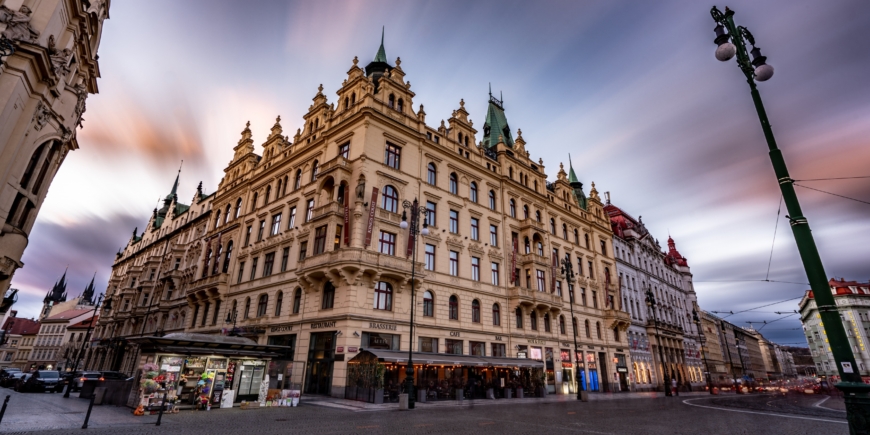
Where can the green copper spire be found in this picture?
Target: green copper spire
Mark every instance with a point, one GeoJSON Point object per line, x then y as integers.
{"type": "Point", "coordinates": [496, 124]}
{"type": "Point", "coordinates": [382, 55]}
{"type": "Point", "coordinates": [572, 177]}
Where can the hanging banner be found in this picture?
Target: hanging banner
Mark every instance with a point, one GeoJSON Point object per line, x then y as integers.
{"type": "Point", "coordinates": [514, 277]}
{"type": "Point", "coordinates": [412, 236]}
{"type": "Point", "coordinates": [371, 223]}
{"type": "Point", "coordinates": [555, 272]}
{"type": "Point", "coordinates": [346, 218]}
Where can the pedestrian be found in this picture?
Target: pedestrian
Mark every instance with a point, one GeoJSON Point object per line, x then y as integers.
{"type": "Point", "coordinates": [674, 387]}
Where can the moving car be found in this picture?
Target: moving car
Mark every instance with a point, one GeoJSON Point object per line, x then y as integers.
{"type": "Point", "coordinates": [114, 376]}
{"type": "Point", "coordinates": [78, 379]}
{"type": "Point", "coordinates": [19, 381]}
{"type": "Point", "coordinates": [42, 381]}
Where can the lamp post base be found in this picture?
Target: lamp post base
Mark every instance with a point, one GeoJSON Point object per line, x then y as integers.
{"type": "Point", "coordinates": [409, 389]}
{"type": "Point", "coordinates": [857, 398]}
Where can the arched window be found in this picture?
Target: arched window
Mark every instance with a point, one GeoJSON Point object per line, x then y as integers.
{"type": "Point", "coordinates": [588, 331]}
{"type": "Point", "coordinates": [586, 237]}
{"type": "Point", "coordinates": [278, 190]}
{"type": "Point", "coordinates": [401, 105]}
{"type": "Point", "coordinates": [383, 296]}
{"type": "Point", "coordinates": [279, 301]}
{"type": "Point", "coordinates": [284, 188]}
{"type": "Point", "coordinates": [511, 172]}
{"type": "Point", "coordinates": [390, 201]}
{"type": "Point", "coordinates": [513, 208]}
{"type": "Point", "coordinates": [227, 213]}
{"type": "Point", "coordinates": [428, 304]}
{"type": "Point", "coordinates": [607, 275]}
{"type": "Point", "coordinates": [227, 257]}
{"type": "Point", "coordinates": [391, 101]}
{"type": "Point", "coordinates": [475, 311]}
{"type": "Point", "coordinates": [454, 183]}
{"type": "Point", "coordinates": [31, 166]}
{"type": "Point", "coordinates": [561, 324]}
{"type": "Point", "coordinates": [536, 185]}
{"type": "Point", "coordinates": [538, 216]}
{"type": "Point", "coordinates": [247, 312]}
{"type": "Point", "coordinates": [454, 308]}
{"type": "Point", "coordinates": [431, 174]}
{"type": "Point", "coordinates": [565, 232]}
{"type": "Point", "coordinates": [314, 169]}
{"type": "Point", "coordinates": [553, 226]}
{"type": "Point", "coordinates": [525, 212]}
{"type": "Point", "coordinates": [238, 208]}
{"type": "Point", "coordinates": [217, 219]}
{"type": "Point", "coordinates": [496, 315]}
{"type": "Point", "coordinates": [546, 322]}
{"type": "Point", "coordinates": [466, 140]}
{"type": "Point", "coordinates": [574, 325]}
{"type": "Point", "coordinates": [328, 295]}
{"type": "Point", "coordinates": [527, 245]}
{"type": "Point", "coordinates": [598, 329]}
{"type": "Point", "coordinates": [268, 194]}
{"type": "Point", "coordinates": [254, 202]}
{"type": "Point", "coordinates": [297, 182]}
{"type": "Point", "coordinates": [576, 236]}
{"type": "Point", "coordinates": [353, 98]}
{"type": "Point", "coordinates": [492, 200]}
{"type": "Point", "coordinates": [473, 192]}
{"type": "Point", "coordinates": [518, 313]}
{"type": "Point", "coordinates": [261, 305]}
{"type": "Point", "coordinates": [217, 261]}
{"type": "Point", "coordinates": [460, 137]}
{"type": "Point", "coordinates": [533, 321]}
{"type": "Point", "coordinates": [297, 301]}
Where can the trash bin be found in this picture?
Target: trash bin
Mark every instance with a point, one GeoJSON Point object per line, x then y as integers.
{"type": "Point", "coordinates": [584, 396]}
{"type": "Point", "coordinates": [403, 401]}
{"type": "Point", "coordinates": [421, 395]}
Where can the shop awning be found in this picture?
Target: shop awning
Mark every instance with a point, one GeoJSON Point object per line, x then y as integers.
{"type": "Point", "coordinates": [450, 359]}
{"type": "Point", "coordinates": [205, 344]}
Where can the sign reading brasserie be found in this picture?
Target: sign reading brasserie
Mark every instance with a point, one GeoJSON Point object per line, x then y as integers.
{"type": "Point", "coordinates": [374, 325]}
{"type": "Point", "coordinates": [319, 325]}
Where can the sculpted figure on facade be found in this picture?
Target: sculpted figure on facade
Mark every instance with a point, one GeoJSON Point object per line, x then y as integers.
{"type": "Point", "coordinates": [59, 58]}
{"type": "Point", "coordinates": [18, 26]}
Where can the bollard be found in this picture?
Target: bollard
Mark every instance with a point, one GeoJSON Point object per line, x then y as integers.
{"type": "Point", "coordinates": [3, 410]}
{"type": "Point", "coordinates": [162, 407]}
{"type": "Point", "coordinates": [88, 415]}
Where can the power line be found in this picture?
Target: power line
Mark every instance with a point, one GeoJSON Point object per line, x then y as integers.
{"type": "Point", "coordinates": [767, 305]}
{"type": "Point", "coordinates": [773, 244]}
{"type": "Point", "coordinates": [837, 178]}
{"type": "Point", "coordinates": [757, 280]}
{"type": "Point", "coordinates": [829, 193]}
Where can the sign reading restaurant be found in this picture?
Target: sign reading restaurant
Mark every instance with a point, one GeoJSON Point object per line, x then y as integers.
{"type": "Point", "coordinates": [374, 325]}
{"type": "Point", "coordinates": [320, 325]}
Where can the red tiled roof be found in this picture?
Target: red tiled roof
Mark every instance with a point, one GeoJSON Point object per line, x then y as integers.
{"type": "Point", "coordinates": [85, 324]}
{"type": "Point", "coordinates": [15, 325]}
{"type": "Point", "coordinates": [32, 329]}
{"type": "Point", "coordinates": [842, 287]}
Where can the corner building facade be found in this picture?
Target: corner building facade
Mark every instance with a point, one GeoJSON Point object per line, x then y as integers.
{"type": "Point", "coordinates": [303, 245]}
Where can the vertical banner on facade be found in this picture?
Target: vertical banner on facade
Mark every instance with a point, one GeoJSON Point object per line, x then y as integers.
{"type": "Point", "coordinates": [371, 223]}
{"type": "Point", "coordinates": [555, 273]}
{"type": "Point", "coordinates": [346, 217]}
{"type": "Point", "coordinates": [412, 236]}
{"type": "Point", "coordinates": [514, 277]}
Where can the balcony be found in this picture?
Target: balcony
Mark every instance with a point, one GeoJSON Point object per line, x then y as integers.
{"type": "Point", "coordinates": [665, 327]}
{"type": "Point", "coordinates": [526, 259]}
{"type": "Point", "coordinates": [534, 298]}
{"type": "Point", "coordinates": [333, 208]}
{"type": "Point", "coordinates": [352, 263]}
{"type": "Point", "coordinates": [531, 224]}
{"type": "Point", "coordinates": [617, 319]}
{"type": "Point", "coordinates": [210, 284]}
{"type": "Point", "coordinates": [338, 163]}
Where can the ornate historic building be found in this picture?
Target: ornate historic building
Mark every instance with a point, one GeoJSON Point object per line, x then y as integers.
{"type": "Point", "coordinates": [643, 266]}
{"type": "Point", "coordinates": [48, 66]}
{"type": "Point", "coordinates": [301, 245]}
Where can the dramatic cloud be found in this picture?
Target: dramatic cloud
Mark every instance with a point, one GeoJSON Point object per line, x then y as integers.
{"type": "Point", "coordinates": [632, 91]}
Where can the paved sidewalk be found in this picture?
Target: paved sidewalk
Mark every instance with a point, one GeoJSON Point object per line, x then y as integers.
{"type": "Point", "coordinates": [353, 405]}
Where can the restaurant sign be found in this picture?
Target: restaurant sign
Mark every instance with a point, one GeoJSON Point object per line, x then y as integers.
{"type": "Point", "coordinates": [319, 325]}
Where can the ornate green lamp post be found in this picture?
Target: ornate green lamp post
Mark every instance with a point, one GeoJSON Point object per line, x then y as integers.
{"type": "Point", "coordinates": [731, 40]}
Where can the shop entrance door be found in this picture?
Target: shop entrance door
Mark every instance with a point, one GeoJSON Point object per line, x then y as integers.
{"type": "Point", "coordinates": [593, 380]}
{"type": "Point", "coordinates": [321, 354]}
{"type": "Point", "coordinates": [623, 381]}
{"type": "Point", "coordinates": [582, 380]}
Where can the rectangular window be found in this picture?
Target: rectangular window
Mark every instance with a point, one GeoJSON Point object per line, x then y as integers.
{"type": "Point", "coordinates": [477, 348]}
{"type": "Point", "coordinates": [309, 210]}
{"type": "Point", "coordinates": [429, 345]}
{"type": "Point", "coordinates": [205, 313]}
{"type": "Point", "coordinates": [241, 271]}
{"type": "Point", "coordinates": [591, 272]}
{"type": "Point", "coordinates": [529, 279]}
{"type": "Point", "coordinates": [494, 273]}
{"type": "Point", "coordinates": [377, 340]}
{"type": "Point", "coordinates": [392, 156]}
{"type": "Point", "coordinates": [303, 250]}
{"type": "Point", "coordinates": [253, 269]}
{"type": "Point", "coordinates": [430, 213]}
{"type": "Point", "coordinates": [475, 229]}
{"type": "Point", "coordinates": [284, 257]}
{"type": "Point", "coordinates": [292, 220]}
{"type": "Point", "coordinates": [344, 149]}
{"type": "Point", "coordinates": [337, 242]}
{"type": "Point", "coordinates": [430, 257]}
{"type": "Point", "coordinates": [594, 299]}
{"type": "Point", "coordinates": [276, 224]}
{"type": "Point", "coordinates": [493, 235]}
{"type": "Point", "coordinates": [498, 350]}
{"type": "Point", "coordinates": [319, 240]}
{"type": "Point", "coordinates": [454, 221]}
{"type": "Point", "coordinates": [261, 230]}
{"type": "Point", "coordinates": [454, 263]}
{"type": "Point", "coordinates": [542, 280]}
{"type": "Point", "coordinates": [453, 347]}
{"type": "Point", "coordinates": [248, 236]}
{"type": "Point", "coordinates": [475, 268]}
{"type": "Point", "coordinates": [267, 264]}
{"type": "Point", "coordinates": [559, 288]}
{"type": "Point", "coordinates": [387, 243]}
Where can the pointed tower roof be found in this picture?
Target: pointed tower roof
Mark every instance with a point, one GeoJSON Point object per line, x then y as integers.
{"type": "Point", "coordinates": [58, 292]}
{"type": "Point", "coordinates": [381, 55]}
{"type": "Point", "coordinates": [572, 177]}
{"type": "Point", "coordinates": [496, 128]}
{"type": "Point", "coordinates": [88, 294]}
{"type": "Point", "coordinates": [379, 65]}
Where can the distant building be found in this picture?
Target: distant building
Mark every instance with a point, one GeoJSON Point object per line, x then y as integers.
{"type": "Point", "coordinates": [853, 302]}
{"type": "Point", "coordinates": [25, 347]}
{"type": "Point", "coordinates": [50, 341]}
{"type": "Point", "coordinates": [11, 341]}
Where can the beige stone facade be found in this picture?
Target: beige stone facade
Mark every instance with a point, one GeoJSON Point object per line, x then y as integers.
{"type": "Point", "coordinates": [304, 240]}
{"type": "Point", "coordinates": [43, 87]}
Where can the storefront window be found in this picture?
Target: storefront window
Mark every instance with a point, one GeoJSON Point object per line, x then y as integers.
{"type": "Point", "coordinates": [453, 346]}
{"type": "Point", "coordinates": [377, 340]}
{"type": "Point", "coordinates": [478, 348]}
{"type": "Point", "coordinates": [498, 350]}
{"type": "Point", "coordinates": [428, 345]}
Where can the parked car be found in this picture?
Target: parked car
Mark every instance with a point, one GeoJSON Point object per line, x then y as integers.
{"type": "Point", "coordinates": [4, 373]}
{"type": "Point", "coordinates": [19, 380]}
{"type": "Point", "coordinates": [114, 376]}
{"type": "Point", "coordinates": [78, 379]}
{"type": "Point", "coordinates": [42, 381]}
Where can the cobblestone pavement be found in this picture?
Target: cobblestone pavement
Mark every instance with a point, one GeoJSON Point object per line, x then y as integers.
{"type": "Point", "coordinates": [793, 404]}
{"type": "Point", "coordinates": [50, 414]}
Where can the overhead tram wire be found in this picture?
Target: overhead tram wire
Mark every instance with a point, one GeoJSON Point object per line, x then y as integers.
{"type": "Point", "coordinates": [835, 178]}
{"type": "Point", "coordinates": [751, 309]}
{"type": "Point", "coordinates": [773, 244]}
{"type": "Point", "coordinates": [829, 193]}
{"type": "Point", "coordinates": [756, 280]}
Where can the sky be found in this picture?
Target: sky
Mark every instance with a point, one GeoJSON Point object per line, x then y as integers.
{"type": "Point", "coordinates": [632, 91]}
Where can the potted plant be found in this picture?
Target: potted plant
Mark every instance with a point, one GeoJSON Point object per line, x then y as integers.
{"type": "Point", "coordinates": [380, 370]}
